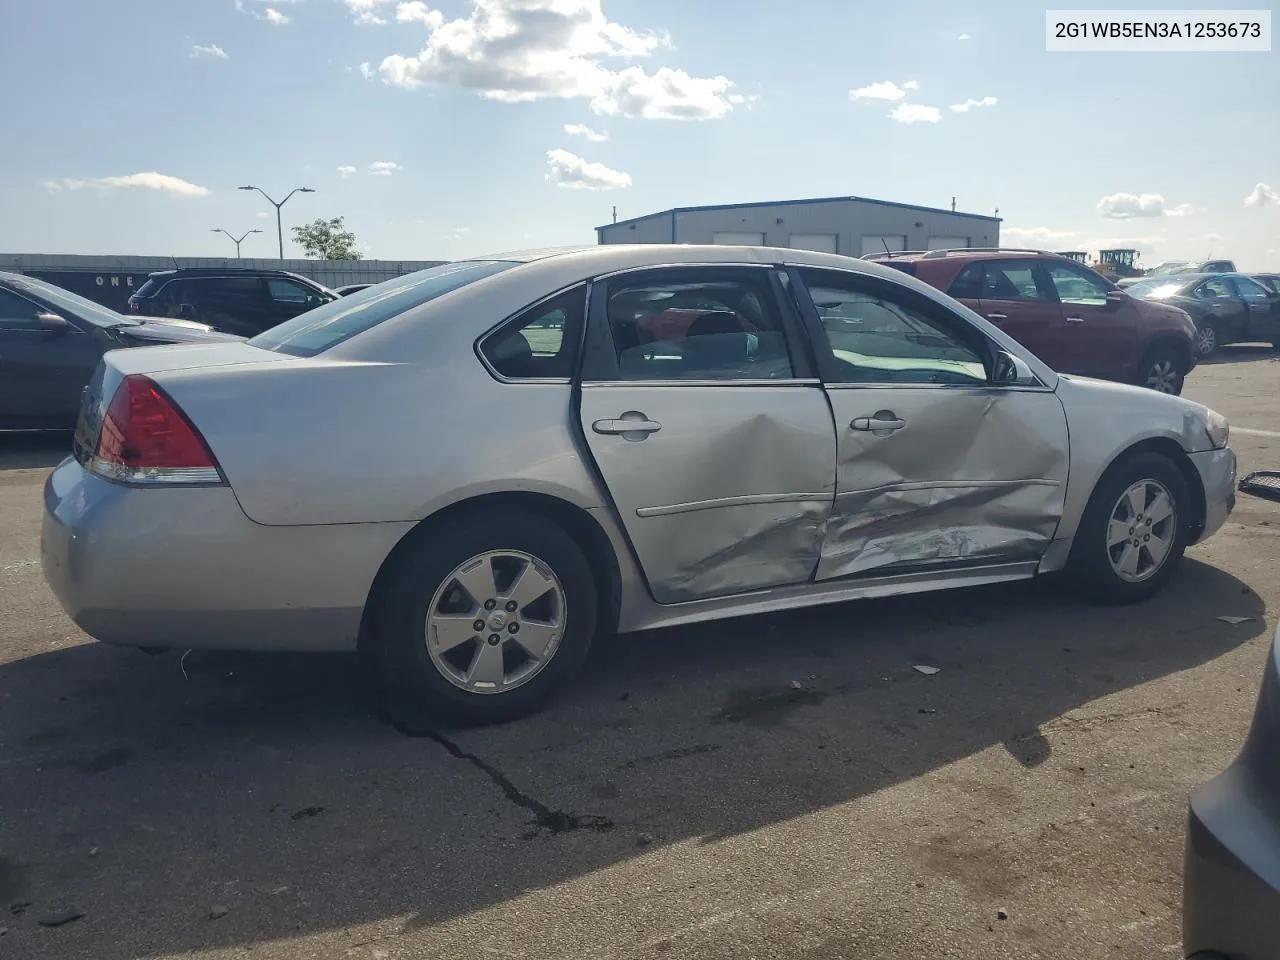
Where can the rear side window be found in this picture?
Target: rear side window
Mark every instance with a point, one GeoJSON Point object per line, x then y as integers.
{"type": "Point", "coordinates": [541, 343]}
{"type": "Point", "coordinates": [339, 320]}
{"type": "Point", "coordinates": [968, 283]}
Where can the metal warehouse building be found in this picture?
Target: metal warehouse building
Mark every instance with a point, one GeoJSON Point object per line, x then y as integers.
{"type": "Point", "coordinates": [853, 226]}
{"type": "Point", "coordinates": [109, 280]}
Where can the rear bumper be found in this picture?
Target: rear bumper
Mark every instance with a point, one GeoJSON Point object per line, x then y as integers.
{"type": "Point", "coordinates": [1217, 469]}
{"type": "Point", "coordinates": [187, 568]}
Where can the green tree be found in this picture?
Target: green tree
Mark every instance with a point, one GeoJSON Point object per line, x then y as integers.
{"type": "Point", "coordinates": [327, 240]}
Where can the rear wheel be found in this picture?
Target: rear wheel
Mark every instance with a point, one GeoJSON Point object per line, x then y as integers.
{"type": "Point", "coordinates": [1206, 339]}
{"type": "Point", "coordinates": [486, 618]}
{"type": "Point", "coordinates": [1133, 532]}
{"type": "Point", "coordinates": [1163, 370]}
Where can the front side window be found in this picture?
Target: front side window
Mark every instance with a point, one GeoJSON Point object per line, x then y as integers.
{"type": "Point", "coordinates": [286, 291]}
{"type": "Point", "coordinates": [1215, 289]}
{"type": "Point", "coordinates": [886, 338]}
{"type": "Point", "coordinates": [698, 325]}
{"type": "Point", "coordinates": [17, 313]}
{"type": "Point", "coordinates": [1077, 286]}
{"type": "Point", "coordinates": [542, 343]}
{"type": "Point", "coordinates": [326, 326]}
{"type": "Point", "coordinates": [1253, 292]}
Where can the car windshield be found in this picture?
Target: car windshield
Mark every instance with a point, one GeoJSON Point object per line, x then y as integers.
{"type": "Point", "coordinates": [1156, 289]}
{"type": "Point", "coordinates": [72, 303]}
{"type": "Point", "coordinates": [317, 330]}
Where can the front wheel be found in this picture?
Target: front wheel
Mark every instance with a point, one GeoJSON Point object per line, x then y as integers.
{"type": "Point", "coordinates": [1163, 370]}
{"type": "Point", "coordinates": [1133, 532]}
{"type": "Point", "coordinates": [486, 618]}
{"type": "Point", "coordinates": [1206, 339]}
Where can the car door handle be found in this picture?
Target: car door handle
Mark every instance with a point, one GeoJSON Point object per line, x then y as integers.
{"type": "Point", "coordinates": [625, 425]}
{"type": "Point", "coordinates": [997, 316]}
{"type": "Point", "coordinates": [1075, 319]}
{"type": "Point", "coordinates": [876, 424]}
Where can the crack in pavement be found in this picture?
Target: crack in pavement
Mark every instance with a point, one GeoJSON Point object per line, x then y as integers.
{"type": "Point", "coordinates": [544, 818]}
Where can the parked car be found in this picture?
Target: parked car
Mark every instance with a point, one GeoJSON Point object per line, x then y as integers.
{"type": "Point", "coordinates": [1179, 267]}
{"type": "Point", "coordinates": [1062, 311]}
{"type": "Point", "coordinates": [51, 341]}
{"type": "Point", "coordinates": [1269, 280]}
{"type": "Point", "coordinates": [240, 301]}
{"type": "Point", "coordinates": [351, 288]}
{"type": "Point", "coordinates": [1231, 882]}
{"type": "Point", "coordinates": [1226, 307]}
{"type": "Point", "coordinates": [472, 470]}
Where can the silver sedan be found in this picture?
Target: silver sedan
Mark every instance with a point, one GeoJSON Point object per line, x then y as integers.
{"type": "Point", "coordinates": [474, 470]}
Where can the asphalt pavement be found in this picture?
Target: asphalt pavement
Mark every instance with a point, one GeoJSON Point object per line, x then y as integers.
{"type": "Point", "coordinates": [785, 786]}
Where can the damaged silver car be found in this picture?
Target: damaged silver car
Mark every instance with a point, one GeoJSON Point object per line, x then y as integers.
{"type": "Point", "coordinates": [473, 470]}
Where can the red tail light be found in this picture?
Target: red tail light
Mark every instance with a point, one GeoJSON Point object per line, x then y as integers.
{"type": "Point", "coordinates": [145, 438]}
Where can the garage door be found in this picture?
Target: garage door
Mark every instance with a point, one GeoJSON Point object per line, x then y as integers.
{"type": "Point", "coordinates": [948, 243]}
{"type": "Point", "coordinates": [880, 244]}
{"type": "Point", "coordinates": [739, 239]}
{"type": "Point", "coordinates": [822, 242]}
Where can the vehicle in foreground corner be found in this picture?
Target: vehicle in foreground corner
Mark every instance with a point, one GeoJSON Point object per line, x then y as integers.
{"type": "Point", "coordinates": [1225, 307]}
{"type": "Point", "coordinates": [1231, 882]}
{"type": "Point", "coordinates": [51, 341]}
{"type": "Point", "coordinates": [472, 470]}
{"type": "Point", "coordinates": [1068, 315]}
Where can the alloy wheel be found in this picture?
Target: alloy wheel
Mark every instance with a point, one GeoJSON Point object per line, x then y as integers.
{"type": "Point", "coordinates": [1142, 530]}
{"type": "Point", "coordinates": [1206, 340]}
{"type": "Point", "coordinates": [495, 622]}
{"type": "Point", "coordinates": [1162, 376]}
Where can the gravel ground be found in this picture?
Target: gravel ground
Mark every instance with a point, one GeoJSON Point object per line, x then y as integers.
{"type": "Point", "coordinates": [776, 787]}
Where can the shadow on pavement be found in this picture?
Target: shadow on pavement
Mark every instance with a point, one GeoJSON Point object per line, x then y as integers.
{"type": "Point", "coordinates": [27, 451]}
{"type": "Point", "coordinates": [267, 785]}
{"type": "Point", "coordinates": [1241, 353]}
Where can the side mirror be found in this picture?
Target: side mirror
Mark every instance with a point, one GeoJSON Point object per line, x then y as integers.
{"type": "Point", "coordinates": [1116, 297]}
{"type": "Point", "coordinates": [52, 323]}
{"type": "Point", "coordinates": [1009, 371]}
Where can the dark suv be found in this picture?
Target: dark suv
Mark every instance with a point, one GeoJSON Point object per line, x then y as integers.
{"type": "Point", "coordinates": [243, 302]}
{"type": "Point", "coordinates": [1072, 318]}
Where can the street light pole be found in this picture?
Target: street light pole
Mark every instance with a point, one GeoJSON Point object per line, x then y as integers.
{"type": "Point", "coordinates": [236, 240]}
{"type": "Point", "coordinates": [279, 228]}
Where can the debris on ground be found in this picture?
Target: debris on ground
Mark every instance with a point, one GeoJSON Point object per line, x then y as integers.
{"type": "Point", "coordinates": [1002, 914]}
{"type": "Point", "coordinates": [306, 812]}
{"type": "Point", "coordinates": [926, 710]}
{"type": "Point", "coordinates": [218, 911]}
{"type": "Point", "coordinates": [796, 685]}
{"type": "Point", "coordinates": [644, 839]}
{"type": "Point", "coordinates": [926, 670]}
{"type": "Point", "coordinates": [1235, 620]}
{"type": "Point", "coordinates": [60, 918]}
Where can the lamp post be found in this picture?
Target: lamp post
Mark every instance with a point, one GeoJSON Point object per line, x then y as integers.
{"type": "Point", "coordinates": [279, 229]}
{"type": "Point", "coordinates": [236, 240]}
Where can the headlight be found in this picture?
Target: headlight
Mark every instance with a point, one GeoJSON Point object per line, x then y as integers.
{"type": "Point", "coordinates": [1217, 428]}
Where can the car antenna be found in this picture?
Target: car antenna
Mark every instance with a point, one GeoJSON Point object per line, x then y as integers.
{"type": "Point", "coordinates": [886, 248]}
{"type": "Point", "coordinates": [175, 262]}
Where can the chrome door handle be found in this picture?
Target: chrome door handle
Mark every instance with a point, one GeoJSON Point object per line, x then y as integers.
{"type": "Point", "coordinates": [624, 425]}
{"type": "Point", "coordinates": [1075, 319]}
{"type": "Point", "coordinates": [876, 424]}
{"type": "Point", "coordinates": [997, 316]}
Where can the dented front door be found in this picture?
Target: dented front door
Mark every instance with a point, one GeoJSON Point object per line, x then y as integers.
{"type": "Point", "coordinates": [935, 466]}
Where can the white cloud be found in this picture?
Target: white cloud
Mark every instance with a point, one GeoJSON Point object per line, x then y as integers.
{"type": "Point", "coordinates": [150, 181]}
{"type": "Point", "coordinates": [366, 71]}
{"type": "Point", "coordinates": [366, 11]}
{"type": "Point", "coordinates": [582, 130]}
{"type": "Point", "coordinates": [1142, 244]}
{"type": "Point", "coordinates": [1213, 236]}
{"type": "Point", "coordinates": [1037, 237]}
{"type": "Point", "coordinates": [971, 103]}
{"type": "Point", "coordinates": [915, 113]}
{"type": "Point", "coordinates": [963, 36]}
{"type": "Point", "coordinates": [212, 51]}
{"type": "Point", "coordinates": [1262, 196]}
{"type": "Point", "coordinates": [1126, 206]}
{"type": "Point", "coordinates": [384, 168]}
{"type": "Point", "coordinates": [566, 169]}
{"type": "Point", "coordinates": [883, 90]}
{"type": "Point", "coordinates": [262, 216]}
{"type": "Point", "coordinates": [346, 170]}
{"type": "Point", "coordinates": [418, 12]}
{"type": "Point", "coordinates": [274, 16]}
{"type": "Point", "coordinates": [524, 50]}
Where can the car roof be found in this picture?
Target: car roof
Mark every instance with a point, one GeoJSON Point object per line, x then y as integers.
{"type": "Point", "coordinates": [964, 254]}
{"type": "Point", "coordinates": [227, 272]}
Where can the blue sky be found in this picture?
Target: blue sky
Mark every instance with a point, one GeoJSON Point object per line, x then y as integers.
{"type": "Point", "coordinates": [465, 105]}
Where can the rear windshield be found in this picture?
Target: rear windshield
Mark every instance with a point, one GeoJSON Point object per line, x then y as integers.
{"type": "Point", "coordinates": [317, 330]}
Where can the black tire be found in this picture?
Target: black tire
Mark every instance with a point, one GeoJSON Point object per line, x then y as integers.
{"type": "Point", "coordinates": [1207, 341]}
{"type": "Point", "coordinates": [1161, 361]}
{"type": "Point", "coordinates": [411, 677]}
{"type": "Point", "coordinates": [1090, 568]}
